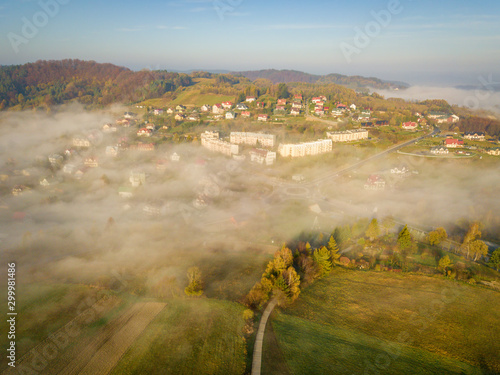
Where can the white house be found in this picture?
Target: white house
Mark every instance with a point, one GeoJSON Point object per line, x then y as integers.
{"type": "Point", "coordinates": [137, 178]}
{"type": "Point", "coordinates": [439, 150]}
{"type": "Point", "coordinates": [112, 151]}
{"type": "Point", "coordinates": [109, 128]}
{"type": "Point", "coordinates": [217, 109]}
{"type": "Point", "coordinates": [126, 192]}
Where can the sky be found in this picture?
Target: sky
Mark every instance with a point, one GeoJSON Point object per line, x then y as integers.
{"type": "Point", "coordinates": [416, 41]}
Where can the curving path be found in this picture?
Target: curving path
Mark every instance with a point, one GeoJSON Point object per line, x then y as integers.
{"type": "Point", "coordinates": [257, 349]}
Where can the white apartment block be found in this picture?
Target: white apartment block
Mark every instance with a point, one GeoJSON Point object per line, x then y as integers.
{"type": "Point", "coordinates": [261, 156]}
{"type": "Point", "coordinates": [348, 135]}
{"type": "Point", "coordinates": [209, 135]}
{"type": "Point", "coordinates": [265, 140]}
{"type": "Point", "coordinates": [305, 149]}
{"type": "Point", "coordinates": [211, 141]}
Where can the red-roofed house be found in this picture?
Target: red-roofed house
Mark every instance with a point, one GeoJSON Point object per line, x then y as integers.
{"type": "Point", "coordinates": [409, 125]}
{"type": "Point", "coordinates": [144, 132]}
{"type": "Point", "coordinates": [262, 118]}
{"type": "Point", "coordinates": [453, 143]}
{"type": "Point", "coordinates": [227, 105]}
{"type": "Point", "coordinates": [281, 101]}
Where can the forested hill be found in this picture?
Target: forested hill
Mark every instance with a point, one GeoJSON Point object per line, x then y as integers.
{"type": "Point", "coordinates": [288, 76]}
{"type": "Point", "coordinates": [46, 83]}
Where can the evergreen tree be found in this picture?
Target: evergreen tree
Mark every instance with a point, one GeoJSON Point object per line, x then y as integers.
{"type": "Point", "coordinates": [322, 259]}
{"type": "Point", "coordinates": [334, 251]}
{"type": "Point", "coordinates": [405, 240]}
{"type": "Point", "coordinates": [373, 230]}
{"type": "Point", "coordinates": [241, 98]}
{"type": "Point", "coordinates": [283, 91]}
{"type": "Point", "coordinates": [495, 259]}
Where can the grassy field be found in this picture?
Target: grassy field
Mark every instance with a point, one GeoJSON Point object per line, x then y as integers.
{"type": "Point", "coordinates": [42, 309]}
{"type": "Point", "coordinates": [364, 322]}
{"type": "Point", "coordinates": [189, 336]}
{"type": "Point", "coordinates": [189, 97]}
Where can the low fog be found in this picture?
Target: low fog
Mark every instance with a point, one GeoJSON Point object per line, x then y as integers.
{"type": "Point", "coordinates": [204, 206]}
{"type": "Point", "coordinates": [485, 96]}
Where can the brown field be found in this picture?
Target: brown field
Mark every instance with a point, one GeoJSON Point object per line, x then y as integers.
{"type": "Point", "coordinates": [55, 351]}
{"type": "Point", "coordinates": [113, 340]}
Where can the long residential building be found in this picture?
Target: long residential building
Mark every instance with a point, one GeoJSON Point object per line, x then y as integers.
{"type": "Point", "coordinates": [305, 149]}
{"type": "Point", "coordinates": [348, 135]}
{"type": "Point", "coordinates": [252, 139]}
{"type": "Point", "coordinates": [211, 141]}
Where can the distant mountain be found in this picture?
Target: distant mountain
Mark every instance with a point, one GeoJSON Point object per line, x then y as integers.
{"type": "Point", "coordinates": [211, 71]}
{"type": "Point", "coordinates": [353, 82]}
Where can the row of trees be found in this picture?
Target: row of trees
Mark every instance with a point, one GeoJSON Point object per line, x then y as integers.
{"type": "Point", "coordinates": [283, 274]}
{"type": "Point", "coordinates": [288, 271]}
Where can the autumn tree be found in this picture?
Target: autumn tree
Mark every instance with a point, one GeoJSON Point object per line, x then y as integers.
{"type": "Point", "coordinates": [195, 287]}
{"type": "Point", "coordinates": [473, 234]}
{"type": "Point", "coordinates": [373, 230]}
{"type": "Point", "coordinates": [280, 278]}
{"type": "Point", "coordinates": [437, 236]}
{"type": "Point", "coordinates": [478, 249]}
{"type": "Point", "coordinates": [444, 263]}
{"type": "Point", "coordinates": [291, 288]}
{"type": "Point", "coordinates": [322, 259]}
{"type": "Point", "coordinates": [334, 251]}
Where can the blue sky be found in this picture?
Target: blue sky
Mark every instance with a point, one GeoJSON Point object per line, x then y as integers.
{"type": "Point", "coordinates": [421, 41]}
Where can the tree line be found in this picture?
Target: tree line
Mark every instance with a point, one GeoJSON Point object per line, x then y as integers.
{"type": "Point", "coordinates": [46, 83]}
